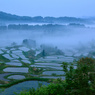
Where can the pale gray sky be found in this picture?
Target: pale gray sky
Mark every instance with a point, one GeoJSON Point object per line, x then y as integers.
{"type": "Point", "coordinates": [56, 8]}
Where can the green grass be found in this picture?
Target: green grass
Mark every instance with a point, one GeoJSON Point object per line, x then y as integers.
{"type": "Point", "coordinates": [26, 79]}
{"type": "Point", "coordinates": [25, 64]}
{"type": "Point", "coordinates": [2, 66]}
{"type": "Point", "coordinates": [35, 70]}
{"type": "Point", "coordinates": [3, 59]}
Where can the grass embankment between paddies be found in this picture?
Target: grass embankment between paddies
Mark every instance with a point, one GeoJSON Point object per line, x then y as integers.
{"type": "Point", "coordinates": [3, 59]}
{"type": "Point", "coordinates": [26, 79]}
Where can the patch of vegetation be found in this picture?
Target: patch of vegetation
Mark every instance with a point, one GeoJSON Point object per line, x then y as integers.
{"type": "Point", "coordinates": [4, 51]}
{"type": "Point", "coordinates": [25, 64]}
{"type": "Point", "coordinates": [30, 54]}
{"type": "Point", "coordinates": [3, 82]}
{"type": "Point", "coordinates": [10, 52]}
{"type": "Point", "coordinates": [42, 54]}
{"type": "Point", "coordinates": [10, 55]}
{"type": "Point", "coordinates": [35, 70]}
{"type": "Point", "coordinates": [19, 59]}
{"type": "Point", "coordinates": [49, 50]}
{"type": "Point", "coordinates": [16, 46]}
{"type": "Point", "coordinates": [54, 74]}
{"type": "Point", "coordinates": [8, 48]}
{"type": "Point", "coordinates": [2, 66]}
{"type": "Point", "coordinates": [3, 59]}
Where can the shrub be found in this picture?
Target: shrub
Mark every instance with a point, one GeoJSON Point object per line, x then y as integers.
{"type": "Point", "coordinates": [80, 80]}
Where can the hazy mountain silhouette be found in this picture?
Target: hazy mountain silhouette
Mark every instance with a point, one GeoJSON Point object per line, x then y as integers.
{"type": "Point", "coordinates": [10, 17]}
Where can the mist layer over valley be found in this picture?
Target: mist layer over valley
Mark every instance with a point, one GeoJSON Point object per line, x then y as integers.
{"type": "Point", "coordinates": [65, 37]}
{"type": "Point", "coordinates": [61, 32]}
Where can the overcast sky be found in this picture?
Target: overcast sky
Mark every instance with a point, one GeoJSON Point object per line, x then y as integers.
{"type": "Point", "coordinates": [56, 8]}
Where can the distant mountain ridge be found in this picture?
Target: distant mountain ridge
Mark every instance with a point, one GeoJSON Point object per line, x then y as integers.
{"type": "Point", "coordinates": [9, 17]}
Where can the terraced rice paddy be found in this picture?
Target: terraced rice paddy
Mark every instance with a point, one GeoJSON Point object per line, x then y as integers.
{"type": "Point", "coordinates": [16, 77]}
{"type": "Point", "coordinates": [17, 64]}
{"type": "Point", "coordinates": [14, 65]}
{"type": "Point", "coordinates": [16, 69]}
